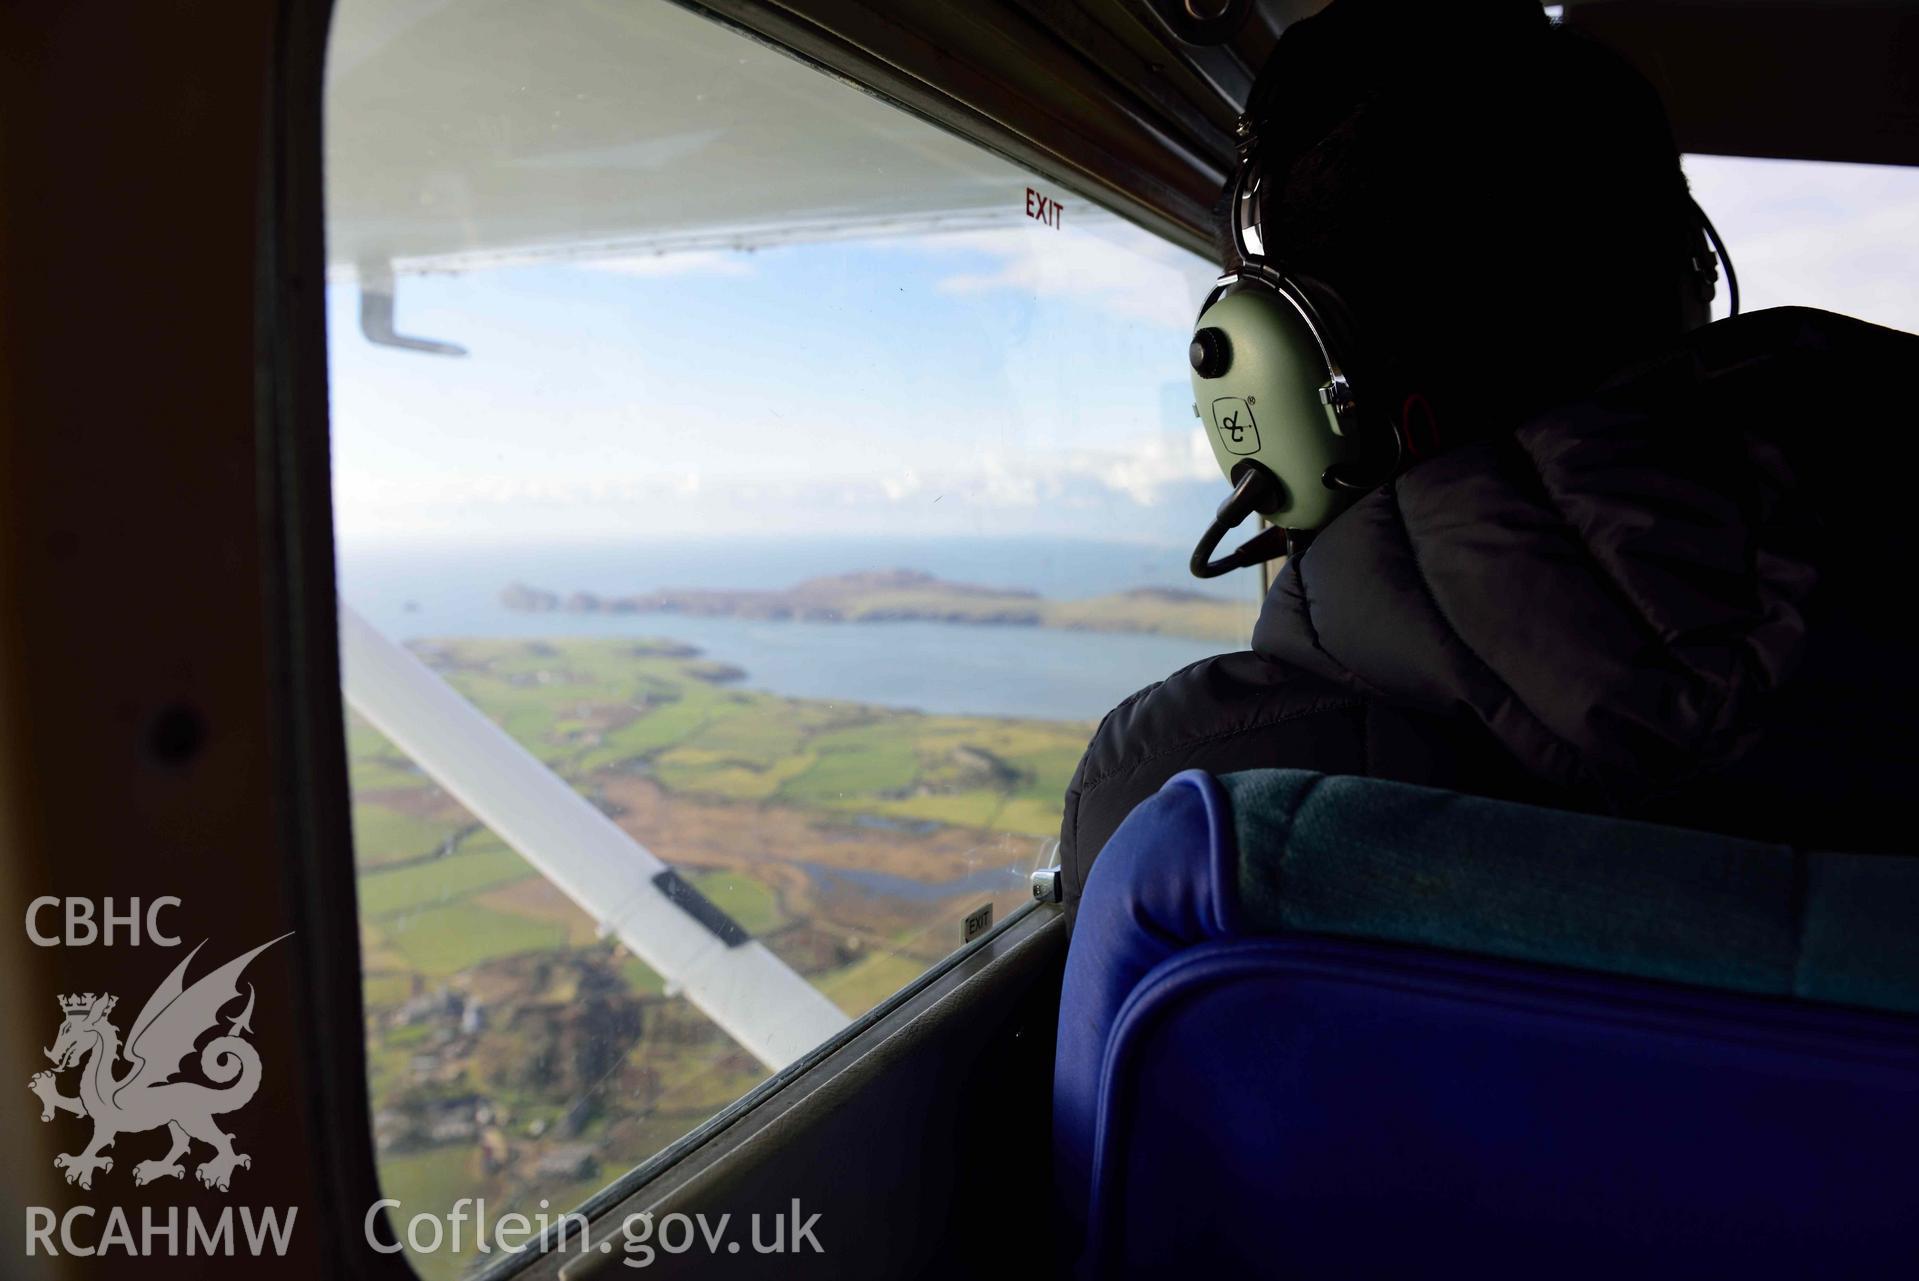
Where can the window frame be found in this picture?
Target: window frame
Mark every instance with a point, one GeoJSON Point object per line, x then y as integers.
{"type": "Point", "coordinates": [1051, 115]}
{"type": "Point", "coordinates": [838, 1054]}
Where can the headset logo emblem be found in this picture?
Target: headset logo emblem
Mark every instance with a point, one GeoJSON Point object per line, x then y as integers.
{"type": "Point", "coordinates": [1233, 420]}
{"type": "Point", "coordinates": [145, 1096]}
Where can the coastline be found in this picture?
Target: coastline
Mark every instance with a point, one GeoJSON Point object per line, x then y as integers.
{"type": "Point", "coordinates": [904, 595]}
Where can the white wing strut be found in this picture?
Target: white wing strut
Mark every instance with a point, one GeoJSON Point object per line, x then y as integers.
{"type": "Point", "coordinates": [760, 1002]}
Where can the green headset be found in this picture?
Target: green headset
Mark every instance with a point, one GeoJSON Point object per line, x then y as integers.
{"type": "Point", "coordinates": [1282, 401]}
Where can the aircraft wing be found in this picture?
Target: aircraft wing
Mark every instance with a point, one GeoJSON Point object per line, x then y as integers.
{"type": "Point", "coordinates": [465, 133]}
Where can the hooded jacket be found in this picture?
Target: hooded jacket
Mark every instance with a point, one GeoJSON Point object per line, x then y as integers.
{"type": "Point", "coordinates": [1680, 599]}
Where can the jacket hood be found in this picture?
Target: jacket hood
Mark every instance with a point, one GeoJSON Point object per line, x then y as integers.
{"type": "Point", "coordinates": [1617, 589]}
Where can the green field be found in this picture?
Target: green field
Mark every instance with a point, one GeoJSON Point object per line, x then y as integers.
{"type": "Point", "coordinates": [442, 941]}
{"type": "Point", "coordinates": [864, 984]}
{"type": "Point", "coordinates": [382, 835]}
{"type": "Point", "coordinates": [476, 864]}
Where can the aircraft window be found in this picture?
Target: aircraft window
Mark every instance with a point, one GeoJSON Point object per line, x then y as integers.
{"type": "Point", "coordinates": [793, 483]}
{"type": "Point", "coordinates": [1814, 234]}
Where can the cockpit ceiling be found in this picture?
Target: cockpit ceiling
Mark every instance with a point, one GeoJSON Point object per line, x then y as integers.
{"type": "Point", "coordinates": [472, 132]}
{"type": "Point", "coordinates": [1791, 79]}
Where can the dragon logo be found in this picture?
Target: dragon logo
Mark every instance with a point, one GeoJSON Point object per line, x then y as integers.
{"type": "Point", "coordinates": [145, 1097]}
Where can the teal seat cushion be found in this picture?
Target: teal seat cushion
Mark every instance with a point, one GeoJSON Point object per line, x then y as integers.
{"type": "Point", "coordinates": [1371, 859]}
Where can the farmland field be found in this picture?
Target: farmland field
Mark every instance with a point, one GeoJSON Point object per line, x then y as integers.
{"type": "Point", "coordinates": [517, 1055]}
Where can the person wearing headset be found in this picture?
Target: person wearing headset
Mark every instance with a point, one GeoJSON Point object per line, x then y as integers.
{"type": "Point", "coordinates": [1548, 535]}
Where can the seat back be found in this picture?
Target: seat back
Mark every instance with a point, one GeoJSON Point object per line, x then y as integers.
{"type": "Point", "coordinates": [1340, 1027]}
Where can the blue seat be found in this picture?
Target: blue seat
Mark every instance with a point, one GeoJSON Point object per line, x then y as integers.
{"type": "Point", "coordinates": [1327, 1027]}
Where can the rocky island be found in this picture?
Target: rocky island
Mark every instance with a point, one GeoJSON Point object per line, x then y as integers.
{"type": "Point", "coordinates": [901, 595]}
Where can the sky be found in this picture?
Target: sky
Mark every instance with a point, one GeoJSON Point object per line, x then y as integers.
{"type": "Point", "coordinates": [1840, 237]}
{"type": "Point", "coordinates": [1018, 380]}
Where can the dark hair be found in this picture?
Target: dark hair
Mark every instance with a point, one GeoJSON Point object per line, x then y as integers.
{"type": "Point", "coordinates": [1498, 199]}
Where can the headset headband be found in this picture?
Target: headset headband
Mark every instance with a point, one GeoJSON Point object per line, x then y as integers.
{"type": "Point", "coordinates": [1705, 268]}
{"type": "Point", "coordinates": [1249, 249]}
{"type": "Point", "coordinates": [1706, 251]}
{"type": "Point", "coordinates": [1248, 239]}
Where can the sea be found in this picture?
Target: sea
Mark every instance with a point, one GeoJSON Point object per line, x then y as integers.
{"type": "Point", "coordinates": [414, 591]}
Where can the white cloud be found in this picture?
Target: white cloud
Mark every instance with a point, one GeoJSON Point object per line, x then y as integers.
{"type": "Point", "coordinates": [1139, 475]}
{"type": "Point", "coordinates": [1141, 472]}
{"type": "Point", "coordinates": [1111, 264]}
{"type": "Point", "coordinates": [1153, 466]}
